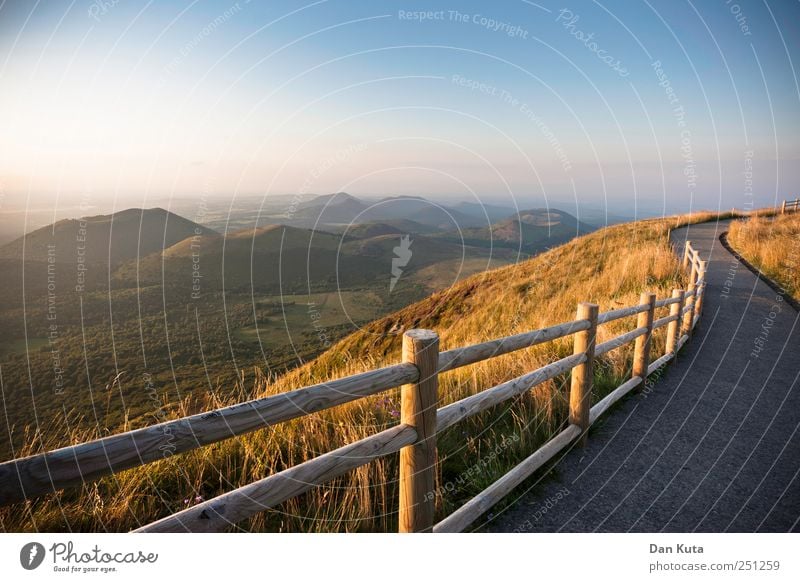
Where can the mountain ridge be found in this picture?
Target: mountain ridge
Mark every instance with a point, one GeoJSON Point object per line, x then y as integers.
{"type": "Point", "coordinates": [104, 238]}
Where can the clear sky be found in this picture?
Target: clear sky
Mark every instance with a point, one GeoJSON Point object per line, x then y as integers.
{"type": "Point", "coordinates": [653, 104]}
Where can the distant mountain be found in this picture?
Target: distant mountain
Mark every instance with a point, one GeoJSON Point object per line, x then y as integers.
{"type": "Point", "coordinates": [493, 212]}
{"type": "Point", "coordinates": [422, 211]}
{"type": "Point", "coordinates": [594, 213]}
{"type": "Point", "coordinates": [531, 231]}
{"type": "Point", "coordinates": [396, 207]}
{"type": "Point", "coordinates": [342, 209]}
{"type": "Point", "coordinates": [391, 226]}
{"type": "Point", "coordinates": [445, 218]}
{"type": "Point", "coordinates": [109, 239]}
{"type": "Point", "coordinates": [335, 199]}
{"type": "Point", "coordinates": [339, 208]}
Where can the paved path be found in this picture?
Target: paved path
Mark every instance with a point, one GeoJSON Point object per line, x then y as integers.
{"type": "Point", "coordinates": [715, 446]}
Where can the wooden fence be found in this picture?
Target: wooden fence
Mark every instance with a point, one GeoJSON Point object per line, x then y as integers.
{"type": "Point", "coordinates": [790, 206]}
{"type": "Point", "coordinates": [414, 438]}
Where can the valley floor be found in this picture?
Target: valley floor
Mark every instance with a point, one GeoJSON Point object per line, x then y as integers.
{"type": "Point", "coordinates": [712, 446]}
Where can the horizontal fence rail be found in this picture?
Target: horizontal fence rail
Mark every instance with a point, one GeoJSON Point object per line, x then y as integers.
{"type": "Point", "coordinates": [78, 464]}
{"type": "Point", "coordinates": [227, 509]}
{"type": "Point", "coordinates": [790, 206]}
{"type": "Point", "coordinates": [414, 438]}
{"type": "Point", "coordinates": [458, 357]}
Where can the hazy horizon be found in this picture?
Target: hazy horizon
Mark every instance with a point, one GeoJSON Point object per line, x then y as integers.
{"type": "Point", "coordinates": [17, 221]}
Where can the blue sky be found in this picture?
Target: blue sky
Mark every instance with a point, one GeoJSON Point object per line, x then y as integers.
{"type": "Point", "coordinates": [499, 101]}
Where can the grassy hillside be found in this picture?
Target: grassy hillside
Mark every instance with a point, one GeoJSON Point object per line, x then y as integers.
{"type": "Point", "coordinates": [773, 246]}
{"type": "Point", "coordinates": [529, 295]}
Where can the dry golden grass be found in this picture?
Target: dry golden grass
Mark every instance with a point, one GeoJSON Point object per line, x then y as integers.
{"type": "Point", "coordinates": [771, 245]}
{"type": "Point", "coordinates": [610, 267]}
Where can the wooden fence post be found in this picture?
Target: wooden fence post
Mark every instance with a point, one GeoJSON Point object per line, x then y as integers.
{"type": "Point", "coordinates": [580, 394]}
{"type": "Point", "coordinates": [641, 352]}
{"type": "Point", "coordinates": [686, 252]}
{"type": "Point", "coordinates": [701, 288]}
{"type": "Point", "coordinates": [418, 406]}
{"type": "Point", "coordinates": [690, 301]}
{"type": "Point", "coordinates": [783, 207]}
{"type": "Point", "coordinates": [674, 327]}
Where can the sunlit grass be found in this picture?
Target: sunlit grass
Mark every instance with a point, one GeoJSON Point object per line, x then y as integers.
{"type": "Point", "coordinates": [773, 246]}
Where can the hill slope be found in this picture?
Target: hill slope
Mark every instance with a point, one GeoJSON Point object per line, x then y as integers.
{"type": "Point", "coordinates": [108, 238]}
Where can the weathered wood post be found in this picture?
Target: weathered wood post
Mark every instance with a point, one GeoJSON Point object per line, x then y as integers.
{"type": "Point", "coordinates": [580, 394]}
{"type": "Point", "coordinates": [690, 301]}
{"type": "Point", "coordinates": [674, 327]}
{"type": "Point", "coordinates": [783, 207]}
{"type": "Point", "coordinates": [687, 251]}
{"type": "Point", "coordinates": [419, 402]}
{"type": "Point", "coordinates": [701, 288]}
{"type": "Point", "coordinates": [641, 351]}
